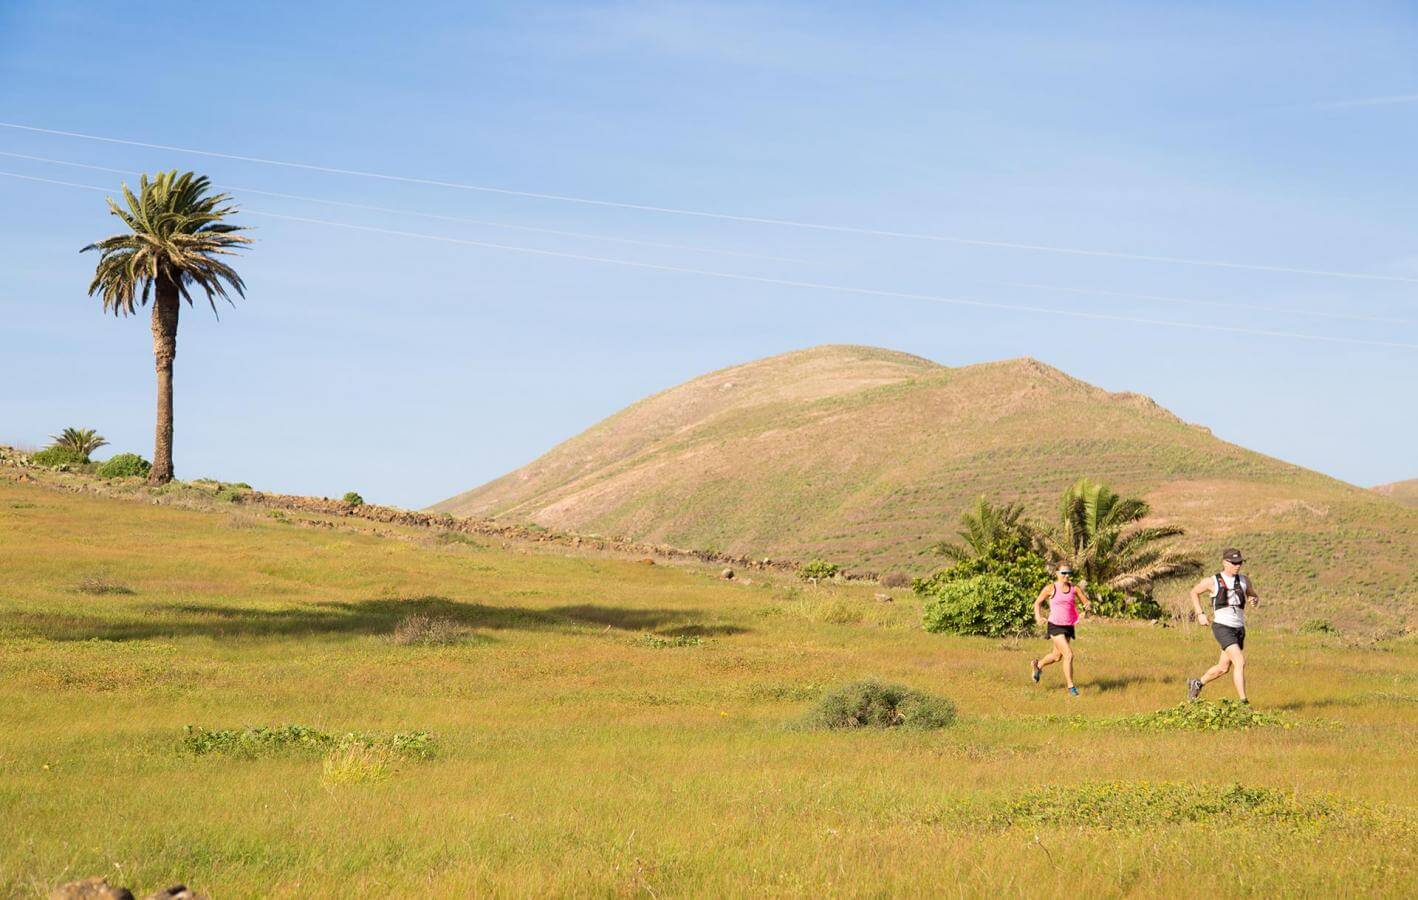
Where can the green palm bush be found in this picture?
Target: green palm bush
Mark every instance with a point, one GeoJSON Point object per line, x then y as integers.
{"type": "Point", "coordinates": [1104, 536]}
{"type": "Point", "coordinates": [82, 442]}
{"type": "Point", "coordinates": [176, 235]}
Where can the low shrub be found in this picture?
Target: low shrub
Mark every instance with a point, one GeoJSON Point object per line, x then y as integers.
{"type": "Point", "coordinates": [124, 465]}
{"type": "Point", "coordinates": [1203, 715]}
{"type": "Point", "coordinates": [1317, 626]}
{"type": "Point", "coordinates": [258, 741]}
{"type": "Point", "coordinates": [818, 570]}
{"type": "Point", "coordinates": [99, 586]}
{"type": "Point", "coordinates": [1145, 804]}
{"type": "Point", "coordinates": [895, 580]}
{"type": "Point", "coordinates": [871, 704]}
{"type": "Point", "coordinates": [986, 605]}
{"type": "Point", "coordinates": [353, 499]}
{"type": "Point", "coordinates": [428, 631]}
{"type": "Point", "coordinates": [55, 457]}
{"type": "Point", "coordinates": [660, 642]}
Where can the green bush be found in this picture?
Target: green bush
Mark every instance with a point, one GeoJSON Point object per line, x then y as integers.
{"type": "Point", "coordinates": [871, 704]}
{"type": "Point", "coordinates": [1115, 604]}
{"type": "Point", "coordinates": [54, 457]}
{"type": "Point", "coordinates": [1317, 626]}
{"type": "Point", "coordinates": [985, 605]}
{"type": "Point", "coordinates": [1024, 570]}
{"type": "Point", "coordinates": [353, 499]}
{"type": "Point", "coordinates": [818, 570]}
{"type": "Point", "coordinates": [125, 465]}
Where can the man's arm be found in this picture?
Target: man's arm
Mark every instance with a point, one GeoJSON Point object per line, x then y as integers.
{"type": "Point", "coordinates": [1251, 591]}
{"type": "Point", "coordinates": [1201, 587]}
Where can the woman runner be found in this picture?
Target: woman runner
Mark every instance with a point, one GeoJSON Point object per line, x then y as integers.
{"type": "Point", "coordinates": [1064, 599]}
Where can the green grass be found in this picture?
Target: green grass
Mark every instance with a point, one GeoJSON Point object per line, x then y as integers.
{"type": "Point", "coordinates": [574, 755]}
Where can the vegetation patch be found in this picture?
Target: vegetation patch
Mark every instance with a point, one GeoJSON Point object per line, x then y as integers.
{"type": "Point", "coordinates": [353, 499]}
{"type": "Point", "coordinates": [872, 704]}
{"type": "Point", "coordinates": [1204, 715]}
{"type": "Point", "coordinates": [359, 764]}
{"type": "Point", "coordinates": [818, 570]}
{"type": "Point", "coordinates": [425, 630]}
{"type": "Point", "coordinates": [125, 465]}
{"type": "Point", "coordinates": [985, 605]}
{"type": "Point", "coordinates": [1317, 626]}
{"type": "Point", "coordinates": [1144, 804]}
{"type": "Point", "coordinates": [59, 457]}
{"type": "Point", "coordinates": [99, 586]}
{"type": "Point", "coordinates": [660, 642]}
{"type": "Point", "coordinates": [253, 742]}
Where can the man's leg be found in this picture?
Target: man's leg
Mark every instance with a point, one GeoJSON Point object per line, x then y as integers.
{"type": "Point", "coordinates": [1223, 665]}
{"type": "Point", "coordinates": [1238, 668]}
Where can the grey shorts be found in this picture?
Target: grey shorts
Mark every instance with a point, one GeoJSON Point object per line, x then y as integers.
{"type": "Point", "coordinates": [1226, 635]}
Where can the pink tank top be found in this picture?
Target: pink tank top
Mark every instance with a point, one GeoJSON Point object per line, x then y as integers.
{"type": "Point", "coordinates": [1063, 608]}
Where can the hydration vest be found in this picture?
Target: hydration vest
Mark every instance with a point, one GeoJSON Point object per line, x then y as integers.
{"type": "Point", "coordinates": [1235, 596]}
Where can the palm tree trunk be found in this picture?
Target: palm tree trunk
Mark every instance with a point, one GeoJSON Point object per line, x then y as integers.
{"type": "Point", "coordinates": [166, 305]}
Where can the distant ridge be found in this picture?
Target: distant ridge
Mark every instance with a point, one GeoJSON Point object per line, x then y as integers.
{"type": "Point", "coordinates": [866, 456]}
{"type": "Point", "coordinates": [1405, 492]}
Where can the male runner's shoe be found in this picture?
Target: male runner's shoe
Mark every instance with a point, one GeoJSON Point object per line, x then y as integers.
{"type": "Point", "coordinates": [1193, 688]}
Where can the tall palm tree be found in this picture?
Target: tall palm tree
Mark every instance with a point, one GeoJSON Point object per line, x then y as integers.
{"type": "Point", "coordinates": [984, 527]}
{"type": "Point", "coordinates": [82, 441]}
{"type": "Point", "coordinates": [1101, 534]}
{"type": "Point", "coordinates": [176, 234]}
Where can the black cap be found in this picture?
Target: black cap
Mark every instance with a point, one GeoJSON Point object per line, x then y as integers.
{"type": "Point", "coordinates": [1232, 555]}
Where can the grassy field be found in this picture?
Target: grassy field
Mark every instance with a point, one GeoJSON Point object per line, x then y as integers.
{"type": "Point", "coordinates": [608, 727]}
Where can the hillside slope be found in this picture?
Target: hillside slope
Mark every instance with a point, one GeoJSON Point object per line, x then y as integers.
{"type": "Point", "coordinates": [1405, 492]}
{"type": "Point", "coordinates": [867, 456]}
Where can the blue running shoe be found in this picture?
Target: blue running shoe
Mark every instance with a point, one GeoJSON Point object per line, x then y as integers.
{"type": "Point", "coordinates": [1034, 671]}
{"type": "Point", "coordinates": [1073, 692]}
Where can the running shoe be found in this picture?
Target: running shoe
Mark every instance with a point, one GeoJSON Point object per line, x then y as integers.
{"type": "Point", "coordinates": [1034, 671]}
{"type": "Point", "coordinates": [1073, 692]}
{"type": "Point", "coordinates": [1193, 688]}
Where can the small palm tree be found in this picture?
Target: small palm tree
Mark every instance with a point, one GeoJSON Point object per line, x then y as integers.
{"type": "Point", "coordinates": [1101, 534]}
{"type": "Point", "coordinates": [82, 441]}
{"type": "Point", "coordinates": [176, 234]}
{"type": "Point", "coordinates": [986, 526]}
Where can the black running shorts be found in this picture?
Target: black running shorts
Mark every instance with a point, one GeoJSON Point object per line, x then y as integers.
{"type": "Point", "coordinates": [1065, 630]}
{"type": "Point", "coordinates": [1226, 635]}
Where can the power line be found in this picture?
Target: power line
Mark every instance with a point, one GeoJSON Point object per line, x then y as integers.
{"type": "Point", "coordinates": [576, 234]}
{"type": "Point", "coordinates": [784, 282]}
{"type": "Point", "coordinates": [726, 217]}
{"type": "Point", "coordinates": [428, 215]}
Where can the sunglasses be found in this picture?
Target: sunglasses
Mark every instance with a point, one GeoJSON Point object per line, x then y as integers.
{"type": "Point", "coordinates": [1066, 572]}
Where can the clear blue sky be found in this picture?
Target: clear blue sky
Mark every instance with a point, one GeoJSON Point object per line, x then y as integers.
{"type": "Point", "coordinates": [408, 369]}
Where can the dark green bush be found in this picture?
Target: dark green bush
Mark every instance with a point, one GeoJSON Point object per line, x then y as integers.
{"type": "Point", "coordinates": [985, 605]}
{"type": "Point", "coordinates": [54, 457]}
{"type": "Point", "coordinates": [871, 704]}
{"type": "Point", "coordinates": [1024, 570]}
{"type": "Point", "coordinates": [125, 465]}
{"type": "Point", "coordinates": [353, 499]}
{"type": "Point", "coordinates": [818, 570]}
